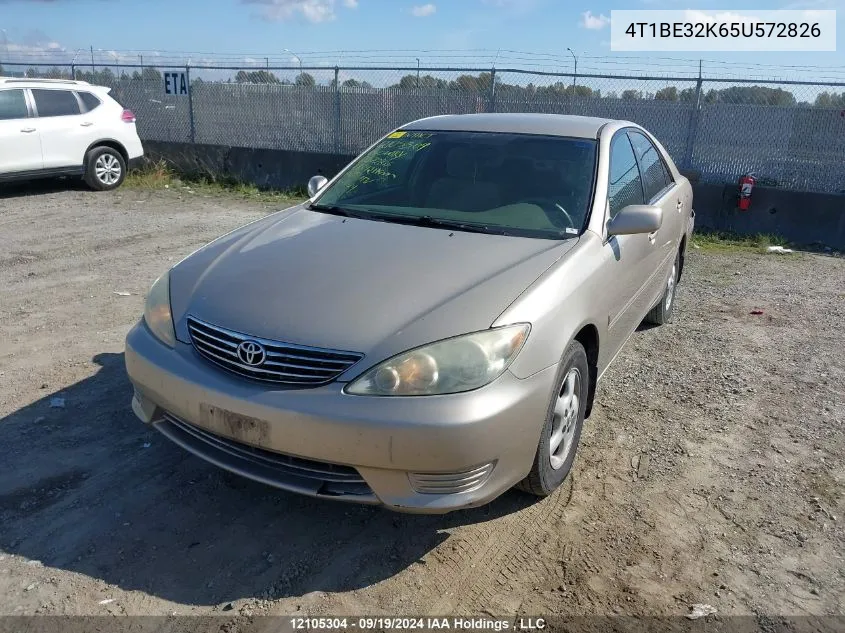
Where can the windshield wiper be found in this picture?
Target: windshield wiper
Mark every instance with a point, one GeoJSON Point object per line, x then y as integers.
{"type": "Point", "coordinates": [469, 227]}
{"type": "Point", "coordinates": [334, 210]}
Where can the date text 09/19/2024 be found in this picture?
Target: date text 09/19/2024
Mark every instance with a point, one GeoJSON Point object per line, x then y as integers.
{"type": "Point", "coordinates": [417, 624]}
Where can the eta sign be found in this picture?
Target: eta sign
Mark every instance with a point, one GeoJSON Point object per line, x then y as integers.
{"type": "Point", "coordinates": [175, 83]}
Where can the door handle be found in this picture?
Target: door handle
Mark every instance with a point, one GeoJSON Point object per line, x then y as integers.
{"type": "Point", "coordinates": [28, 130]}
{"type": "Point", "coordinates": [652, 236]}
{"type": "Point", "coordinates": [86, 124]}
{"type": "Point", "coordinates": [680, 204]}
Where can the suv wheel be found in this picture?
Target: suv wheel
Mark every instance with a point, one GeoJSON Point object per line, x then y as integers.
{"type": "Point", "coordinates": [105, 169]}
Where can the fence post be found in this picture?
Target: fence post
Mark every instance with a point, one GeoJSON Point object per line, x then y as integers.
{"type": "Point", "coordinates": [491, 107]}
{"type": "Point", "coordinates": [190, 102]}
{"type": "Point", "coordinates": [336, 110]}
{"type": "Point", "coordinates": [692, 126]}
{"type": "Point", "coordinates": [73, 71]}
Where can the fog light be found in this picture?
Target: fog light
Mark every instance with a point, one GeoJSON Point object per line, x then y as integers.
{"type": "Point", "coordinates": [452, 482]}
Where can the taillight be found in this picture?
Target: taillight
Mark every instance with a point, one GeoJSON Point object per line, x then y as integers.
{"type": "Point", "coordinates": [128, 116]}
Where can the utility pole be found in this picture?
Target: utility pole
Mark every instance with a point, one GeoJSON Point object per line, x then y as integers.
{"type": "Point", "coordinates": [92, 59]}
{"type": "Point", "coordinates": [575, 74]}
{"type": "Point", "coordinates": [298, 58]}
{"type": "Point", "coordinates": [267, 63]}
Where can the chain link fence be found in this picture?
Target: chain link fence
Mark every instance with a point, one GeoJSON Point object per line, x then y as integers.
{"type": "Point", "coordinates": [788, 134]}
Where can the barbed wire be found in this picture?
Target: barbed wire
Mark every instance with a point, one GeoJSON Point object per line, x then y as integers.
{"type": "Point", "coordinates": [455, 58]}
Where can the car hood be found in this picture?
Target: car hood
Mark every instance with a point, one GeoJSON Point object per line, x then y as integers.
{"type": "Point", "coordinates": [377, 288]}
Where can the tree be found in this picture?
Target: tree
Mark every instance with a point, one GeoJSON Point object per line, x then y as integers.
{"type": "Point", "coordinates": [470, 83]}
{"type": "Point", "coordinates": [687, 95]}
{"type": "Point", "coordinates": [304, 79]}
{"type": "Point", "coordinates": [426, 82]}
{"type": "Point", "coordinates": [630, 95]}
{"type": "Point", "coordinates": [830, 100]}
{"type": "Point", "coordinates": [150, 74]}
{"type": "Point", "coordinates": [669, 93]}
{"type": "Point", "coordinates": [354, 83]}
{"type": "Point", "coordinates": [256, 77]}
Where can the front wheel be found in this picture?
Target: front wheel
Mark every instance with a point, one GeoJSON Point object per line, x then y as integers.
{"type": "Point", "coordinates": [105, 169]}
{"type": "Point", "coordinates": [562, 430]}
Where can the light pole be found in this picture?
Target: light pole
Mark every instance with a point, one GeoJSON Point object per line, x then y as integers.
{"type": "Point", "coordinates": [575, 74]}
{"type": "Point", "coordinates": [418, 73]}
{"type": "Point", "coordinates": [298, 58]}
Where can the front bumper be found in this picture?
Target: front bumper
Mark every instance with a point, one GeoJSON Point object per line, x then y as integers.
{"type": "Point", "coordinates": [445, 442]}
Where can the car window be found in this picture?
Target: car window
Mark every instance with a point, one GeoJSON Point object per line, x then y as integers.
{"type": "Point", "coordinates": [499, 182]}
{"type": "Point", "coordinates": [88, 100]}
{"type": "Point", "coordinates": [654, 173]}
{"type": "Point", "coordinates": [626, 186]}
{"type": "Point", "coordinates": [12, 105]}
{"type": "Point", "coordinates": [55, 102]}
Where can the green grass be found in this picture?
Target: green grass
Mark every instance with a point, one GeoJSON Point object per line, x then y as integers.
{"type": "Point", "coordinates": [161, 175]}
{"type": "Point", "coordinates": [723, 241]}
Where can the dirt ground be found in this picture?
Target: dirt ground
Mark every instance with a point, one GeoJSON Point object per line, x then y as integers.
{"type": "Point", "coordinates": [710, 471]}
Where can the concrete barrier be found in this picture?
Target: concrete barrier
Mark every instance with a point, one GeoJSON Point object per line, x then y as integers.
{"type": "Point", "coordinates": [272, 169]}
{"type": "Point", "coordinates": [799, 217]}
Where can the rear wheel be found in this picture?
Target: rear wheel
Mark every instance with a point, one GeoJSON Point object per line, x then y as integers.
{"type": "Point", "coordinates": [663, 311]}
{"type": "Point", "coordinates": [562, 430]}
{"type": "Point", "coordinates": [105, 169]}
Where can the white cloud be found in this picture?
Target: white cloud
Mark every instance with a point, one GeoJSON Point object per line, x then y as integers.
{"type": "Point", "coordinates": [315, 11]}
{"type": "Point", "coordinates": [423, 10]}
{"type": "Point", "coordinates": [594, 22]}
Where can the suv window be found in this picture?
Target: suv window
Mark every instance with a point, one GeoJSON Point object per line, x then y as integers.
{"type": "Point", "coordinates": [55, 102]}
{"type": "Point", "coordinates": [88, 100]}
{"type": "Point", "coordinates": [655, 175]}
{"type": "Point", "coordinates": [625, 185]}
{"type": "Point", "coordinates": [12, 105]}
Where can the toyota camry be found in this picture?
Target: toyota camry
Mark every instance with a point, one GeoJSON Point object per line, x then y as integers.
{"type": "Point", "coordinates": [428, 329]}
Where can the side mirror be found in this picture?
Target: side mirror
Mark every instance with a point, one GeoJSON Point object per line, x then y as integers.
{"type": "Point", "coordinates": [315, 184]}
{"type": "Point", "coordinates": [636, 218]}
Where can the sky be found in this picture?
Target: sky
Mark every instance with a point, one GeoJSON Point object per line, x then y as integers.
{"type": "Point", "coordinates": [439, 32]}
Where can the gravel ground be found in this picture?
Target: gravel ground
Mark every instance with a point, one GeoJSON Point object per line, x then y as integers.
{"type": "Point", "coordinates": [710, 471]}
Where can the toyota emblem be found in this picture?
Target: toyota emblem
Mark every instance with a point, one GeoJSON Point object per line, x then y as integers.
{"type": "Point", "coordinates": [251, 353]}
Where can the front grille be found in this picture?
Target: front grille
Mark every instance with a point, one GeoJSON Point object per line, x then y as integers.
{"type": "Point", "coordinates": [296, 474]}
{"type": "Point", "coordinates": [283, 363]}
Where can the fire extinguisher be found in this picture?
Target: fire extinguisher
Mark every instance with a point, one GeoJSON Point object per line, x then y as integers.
{"type": "Point", "coordinates": [746, 186]}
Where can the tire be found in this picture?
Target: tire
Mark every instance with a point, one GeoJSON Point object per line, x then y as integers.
{"type": "Point", "coordinates": [105, 169]}
{"type": "Point", "coordinates": [663, 311]}
{"type": "Point", "coordinates": [551, 468]}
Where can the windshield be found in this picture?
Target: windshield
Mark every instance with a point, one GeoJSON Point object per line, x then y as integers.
{"type": "Point", "coordinates": [514, 184]}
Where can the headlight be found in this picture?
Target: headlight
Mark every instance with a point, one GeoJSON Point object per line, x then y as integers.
{"type": "Point", "coordinates": [157, 311]}
{"type": "Point", "coordinates": [457, 364]}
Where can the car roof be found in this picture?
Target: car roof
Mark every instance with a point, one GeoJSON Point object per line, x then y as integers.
{"type": "Point", "coordinates": [40, 82]}
{"type": "Point", "coordinates": [518, 123]}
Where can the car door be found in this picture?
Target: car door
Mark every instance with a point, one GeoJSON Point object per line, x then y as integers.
{"type": "Point", "coordinates": [627, 255]}
{"type": "Point", "coordinates": [18, 130]}
{"type": "Point", "coordinates": [659, 189]}
{"type": "Point", "coordinates": [65, 132]}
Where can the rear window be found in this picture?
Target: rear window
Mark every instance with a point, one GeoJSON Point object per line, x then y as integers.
{"type": "Point", "coordinates": [88, 100]}
{"type": "Point", "coordinates": [55, 102]}
{"type": "Point", "coordinates": [12, 105]}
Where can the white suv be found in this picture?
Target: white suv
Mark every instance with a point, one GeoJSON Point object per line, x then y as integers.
{"type": "Point", "coordinates": [65, 128]}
